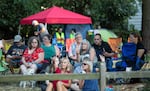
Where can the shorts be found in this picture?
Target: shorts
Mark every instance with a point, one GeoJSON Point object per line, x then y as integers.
{"type": "Point", "coordinates": [15, 63]}
{"type": "Point", "coordinates": [39, 66]}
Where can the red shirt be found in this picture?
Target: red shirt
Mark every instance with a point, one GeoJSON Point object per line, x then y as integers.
{"type": "Point", "coordinates": [58, 71]}
{"type": "Point", "coordinates": [34, 56]}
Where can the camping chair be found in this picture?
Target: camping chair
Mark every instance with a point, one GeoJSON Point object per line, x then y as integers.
{"type": "Point", "coordinates": [3, 64]}
{"type": "Point", "coordinates": [115, 43]}
{"type": "Point", "coordinates": [129, 57]}
{"type": "Point", "coordinates": [68, 43]}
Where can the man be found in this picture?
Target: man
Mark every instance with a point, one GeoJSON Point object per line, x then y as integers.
{"type": "Point", "coordinates": [60, 37]}
{"type": "Point", "coordinates": [72, 34]}
{"type": "Point", "coordinates": [15, 52]}
{"type": "Point", "coordinates": [41, 30]}
{"type": "Point", "coordinates": [74, 48]}
{"type": "Point", "coordinates": [103, 50]}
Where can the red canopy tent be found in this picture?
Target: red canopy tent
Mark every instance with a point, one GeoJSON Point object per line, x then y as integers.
{"type": "Point", "coordinates": [57, 15]}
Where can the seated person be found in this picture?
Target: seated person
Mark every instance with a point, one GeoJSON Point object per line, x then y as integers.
{"type": "Point", "coordinates": [15, 52]}
{"type": "Point", "coordinates": [72, 53]}
{"type": "Point", "coordinates": [132, 54]}
{"type": "Point", "coordinates": [88, 85]}
{"type": "Point", "coordinates": [103, 49]}
{"type": "Point", "coordinates": [140, 50]}
{"type": "Point", "coordinates": [33, 56]}
{"type": "Point", "coordinates": [87, 50]}
{"type": "Point", "coordinates": [50, 50]}
{"type": "Point", "coordinates": [64, 68]}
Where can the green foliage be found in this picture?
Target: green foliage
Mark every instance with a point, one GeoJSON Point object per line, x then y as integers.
{"type": "Point", "coordinates": [112, 14]}
{"type": "Point", "coordinates": [125, 33]}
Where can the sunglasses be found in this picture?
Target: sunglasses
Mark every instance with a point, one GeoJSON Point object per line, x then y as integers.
{"type": "Point", "coordinates": [84, 64]}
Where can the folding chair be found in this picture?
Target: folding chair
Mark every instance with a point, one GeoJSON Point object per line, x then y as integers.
{"type": "Point", "coordinates": [3, 64]}
{"type": "Point", "coordinates": [68, 43]}
{"type": "Point", "coordinates": [115, 43]}
{"type": "Point", "coordinates": [129, 57]}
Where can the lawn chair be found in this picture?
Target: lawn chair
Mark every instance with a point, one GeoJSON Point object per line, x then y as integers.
{"type": "Point", "coordinates": [129, 58]}
{"type": "Point", "coordinates": [115, 43]}
{"type": "Point", "coordinates": [3, 64]}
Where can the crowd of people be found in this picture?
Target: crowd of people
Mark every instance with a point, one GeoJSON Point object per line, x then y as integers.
{"type": "Point", "coordinates": [44, 57]}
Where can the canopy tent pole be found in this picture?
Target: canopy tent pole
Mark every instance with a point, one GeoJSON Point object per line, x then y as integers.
{"type": "Point", "coordinates": [19, 29]}
{"type": "Point", "coordinates": [46, 26]}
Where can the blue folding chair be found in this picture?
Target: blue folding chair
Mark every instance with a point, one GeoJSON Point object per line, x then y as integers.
{"type": "Point", "coordinates": [129, 57]}
{"type": "Point", "coordinates": [129, 52]}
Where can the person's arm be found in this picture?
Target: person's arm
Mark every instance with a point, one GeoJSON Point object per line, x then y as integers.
{"type": "Point", "coordinates": [140, 52]}
{"type": "Point", "coordinates": [107, 51]}
{"type": "Point", "coordinates": [9, 51]}
{"type": "Point", "coordinates": [24, 62]}
{"type": "Point", "coordinates": [92, 54]}
{"type": "Point", "coordinates": [81, 83]}
{"type": "Point", "coordinates": [70, 51]}
{"type": "Point", "coordinates": [57, 51]}
{"type": "Point", "coordinates": [41, 57]}
{"type": "Point", "coordinates": [77, 55]}
{"type": "Point", "coordinates": [71, 55]}
{"type": "Point", "coordinates": [106, 54]}
{"type": "Point", "coordinates": [67, 84]}
{"type": "Point", "coordinates": [42, 28]}
{"type": "Point", "coordinates": [55, 64]}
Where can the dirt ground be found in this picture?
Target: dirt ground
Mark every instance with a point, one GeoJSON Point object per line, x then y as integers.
{"type": "Point", "coordinates": [15, 87]}
{"type": "Point", "coordinates": [119, 87]}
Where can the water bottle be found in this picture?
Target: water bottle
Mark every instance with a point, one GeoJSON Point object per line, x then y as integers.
{"type": "Point", "coordinates": [109, 88]}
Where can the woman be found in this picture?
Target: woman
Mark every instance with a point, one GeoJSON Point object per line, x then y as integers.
{"type": "Point", "coordinates": [87, 51]}
{"type": "Point", "coordinates": [135, 38]}
{"type": "Point", "coordinates": [88, 85]}
{"type": "Point", "coordinates": [64, 68]}
{"type": "Point", "coordinates": [140, 51]}
{"type": "Point", "coordinates": [49, 50]}
{"type": "Point", "coordinates": [33, 56]}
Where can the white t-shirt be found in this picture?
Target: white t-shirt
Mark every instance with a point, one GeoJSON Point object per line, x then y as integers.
{"type": "Point", "coordinates": [1, 44]}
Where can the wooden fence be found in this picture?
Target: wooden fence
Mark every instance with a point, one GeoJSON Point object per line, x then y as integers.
{"type": "Point", "coordinates": [102, 75]}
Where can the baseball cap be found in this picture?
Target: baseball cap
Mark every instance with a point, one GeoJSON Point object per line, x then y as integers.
{"type": "Point", "coordinates": [17, 38]}
{"type": "Point", "coordinates": [34, 22]}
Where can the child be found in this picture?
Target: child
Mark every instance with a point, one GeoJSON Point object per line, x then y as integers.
{"type": "Point", "coordinates": [64, 68]}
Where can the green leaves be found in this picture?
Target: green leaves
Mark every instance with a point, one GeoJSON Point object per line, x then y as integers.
{"type": "Point", "coordinates": [108, 13]}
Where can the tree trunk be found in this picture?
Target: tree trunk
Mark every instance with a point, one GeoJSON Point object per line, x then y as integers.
{"type": "Point", "coordinates": [146, 24]}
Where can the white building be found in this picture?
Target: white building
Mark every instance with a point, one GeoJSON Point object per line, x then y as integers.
{"type": "Point", "coordinates": [137, 19]}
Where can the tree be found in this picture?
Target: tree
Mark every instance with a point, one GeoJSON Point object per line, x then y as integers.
{"type": "Point", "coordinates": [109, 13]}
{"type": "Point", "coordinates": [146, 24]}
{"type": "Point", "coordinates": [11, 12]}
{"type": "Point", "coordinates": [113, 13]}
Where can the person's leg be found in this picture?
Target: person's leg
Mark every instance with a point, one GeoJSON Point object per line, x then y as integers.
{"type": "Point", "coordinates": [35, 67]}
{"type": "Point", "coordinates": [109, 64]}
{"type": "Point", "coordinates": [23, 69]}
{"type": "Point", "coordinates": [49, 87]}
{"type": "Point", "coordinates": [10, 66]}
{"type": "Point", "coordinates": [61, 87]}
{"type": "Point", "coordinates": [45, 67]}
